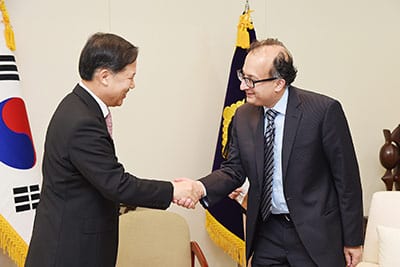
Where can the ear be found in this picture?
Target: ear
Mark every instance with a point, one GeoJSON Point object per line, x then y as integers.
{"type": "Point", "coordinates": [280, 85]}
{"type": "Point", "coordinates": [103, 76]}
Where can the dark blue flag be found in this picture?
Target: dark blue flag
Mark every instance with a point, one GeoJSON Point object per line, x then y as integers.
{"type": "Point", "coordinates": [224, 221]}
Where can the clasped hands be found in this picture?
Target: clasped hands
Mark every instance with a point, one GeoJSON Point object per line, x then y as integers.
{"type": "Point", "coordinates": [187, 192]}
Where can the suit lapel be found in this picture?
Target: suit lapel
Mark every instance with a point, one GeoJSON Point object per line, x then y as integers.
{"type": "Point", "coordinates": [92, 105]}
{"type": "Point", "coordinates": [88, 99]}
{"type": "Point", "coordinates": [90, 102]}
{"type": "Point", "coordinates": [292, 120]}
{"type": "Point", "coordinates": [257, 126]}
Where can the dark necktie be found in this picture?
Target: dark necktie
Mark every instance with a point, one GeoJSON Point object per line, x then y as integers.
{"type": "Point", "coordinates": [266, 194]}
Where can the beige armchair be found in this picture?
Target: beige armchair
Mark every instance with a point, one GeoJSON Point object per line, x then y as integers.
{"type": "Point", "coordinates": [382, 238]}
{"type": "Point", "coordinates": [155, 238]}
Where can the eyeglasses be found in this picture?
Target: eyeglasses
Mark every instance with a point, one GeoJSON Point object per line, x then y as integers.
{"type": "Point", "coordinates": [249, 82]}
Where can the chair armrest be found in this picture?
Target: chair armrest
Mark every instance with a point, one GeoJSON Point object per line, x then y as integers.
{"type": "Point", "coordinates": [195, 250]}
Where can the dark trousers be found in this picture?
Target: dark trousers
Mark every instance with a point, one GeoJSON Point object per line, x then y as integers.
{"type": "Point", "coordinates": [278, 244]}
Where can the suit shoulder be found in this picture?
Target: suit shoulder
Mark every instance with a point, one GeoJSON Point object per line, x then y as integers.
{"type": "Point", "coordinates": [247, 108]}
{"type": "Point", "coordinates": [306, 97]}
{"type": "Point", "coordinates": [73, 111]}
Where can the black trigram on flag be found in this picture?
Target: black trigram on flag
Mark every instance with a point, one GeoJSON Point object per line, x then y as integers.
{"type": "Point", "coordinates": [26, 197]}
{"type": "Point", "coordinates": [8, 68]}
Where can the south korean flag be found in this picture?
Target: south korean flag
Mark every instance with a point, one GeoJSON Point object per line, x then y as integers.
{"type": "Point", "coordinates": [19, 172]}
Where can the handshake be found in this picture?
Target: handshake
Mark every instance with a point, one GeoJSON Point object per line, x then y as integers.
{"type": "Point", "coordinates": [187, 192]}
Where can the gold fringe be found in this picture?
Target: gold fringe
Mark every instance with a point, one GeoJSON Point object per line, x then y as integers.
{"type": "Point", "coordinates": [12, 243]}
{"type": "Point", "coordinates": [227, 115]}
{"type": "Point", "coordinates": [243, 38]}
{"type": "Point", "coordinates": [8, 31]}
{"type": "Point", "coordinates": [230, 243]}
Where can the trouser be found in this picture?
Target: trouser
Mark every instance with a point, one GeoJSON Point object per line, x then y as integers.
{"type": "Point", "coordinates": [277, 243]}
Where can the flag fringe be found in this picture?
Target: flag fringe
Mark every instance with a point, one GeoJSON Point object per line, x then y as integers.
{"type": "Point", "coordinates": [12, 243]}
{"type": "Point", "coordinates": [227, 115]}
{"type": "Point", "coordinates": [230, 243]}
{"type": "Point", "coordinates": [8, 32]}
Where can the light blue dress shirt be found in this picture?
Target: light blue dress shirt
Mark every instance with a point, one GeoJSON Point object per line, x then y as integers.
{"type": "Point", "coordinates": [278, 198]}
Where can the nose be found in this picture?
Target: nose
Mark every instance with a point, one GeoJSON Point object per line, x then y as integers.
{"type": "Point", "coordinates": [243, 86]}
{"type": "Point", "coordinates": [132, 85]}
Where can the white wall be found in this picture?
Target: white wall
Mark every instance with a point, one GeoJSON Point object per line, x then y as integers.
{"type": "Point", "coordinates": [168, 125]}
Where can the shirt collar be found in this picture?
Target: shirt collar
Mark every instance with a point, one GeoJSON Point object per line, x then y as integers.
{"type": "Point", "coordinates": [103, 106]}
{"type": "Point", "coordinates": [280, 106]}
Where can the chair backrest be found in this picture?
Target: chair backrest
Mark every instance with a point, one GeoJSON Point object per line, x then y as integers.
{"type": "Point", "coordinates": [383, 211]}
{"type": "Point", "coordinates": [152, 238]}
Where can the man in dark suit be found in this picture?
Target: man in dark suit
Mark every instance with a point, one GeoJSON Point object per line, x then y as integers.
{"type": "Point", "coordinates": [309, 211]}
{"type": "Point", "coordinates": [76, 221]}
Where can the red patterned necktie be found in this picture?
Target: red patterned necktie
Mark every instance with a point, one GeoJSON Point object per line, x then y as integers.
{"type": "Point", "coordinates": [109, 123]}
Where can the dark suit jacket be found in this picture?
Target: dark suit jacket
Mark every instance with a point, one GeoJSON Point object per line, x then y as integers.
{"type": "Point", "coordinates": [76, 222]}
{"type": "Point", "coordinates": [320, 174]}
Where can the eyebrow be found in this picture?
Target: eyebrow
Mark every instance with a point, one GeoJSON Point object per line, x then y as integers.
{"type": "Point", "coordinates": [249, 75]}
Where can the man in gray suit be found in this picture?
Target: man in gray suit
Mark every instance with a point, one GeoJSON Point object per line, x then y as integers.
{"type": "Point", "coordinates": [305, 199]}
{"type": "Point", "coordinates": [76, 221]}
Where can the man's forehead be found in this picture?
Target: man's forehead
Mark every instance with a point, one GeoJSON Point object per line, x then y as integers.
{"type": "Point", "coordinates": [269, 50]}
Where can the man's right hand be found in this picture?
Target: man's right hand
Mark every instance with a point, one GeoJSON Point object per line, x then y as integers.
{"type": "Point", "coordinates": [187, 192]}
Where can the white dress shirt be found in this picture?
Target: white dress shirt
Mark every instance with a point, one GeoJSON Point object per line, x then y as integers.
{"type": "Point", "coordinates": [102, 105]}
